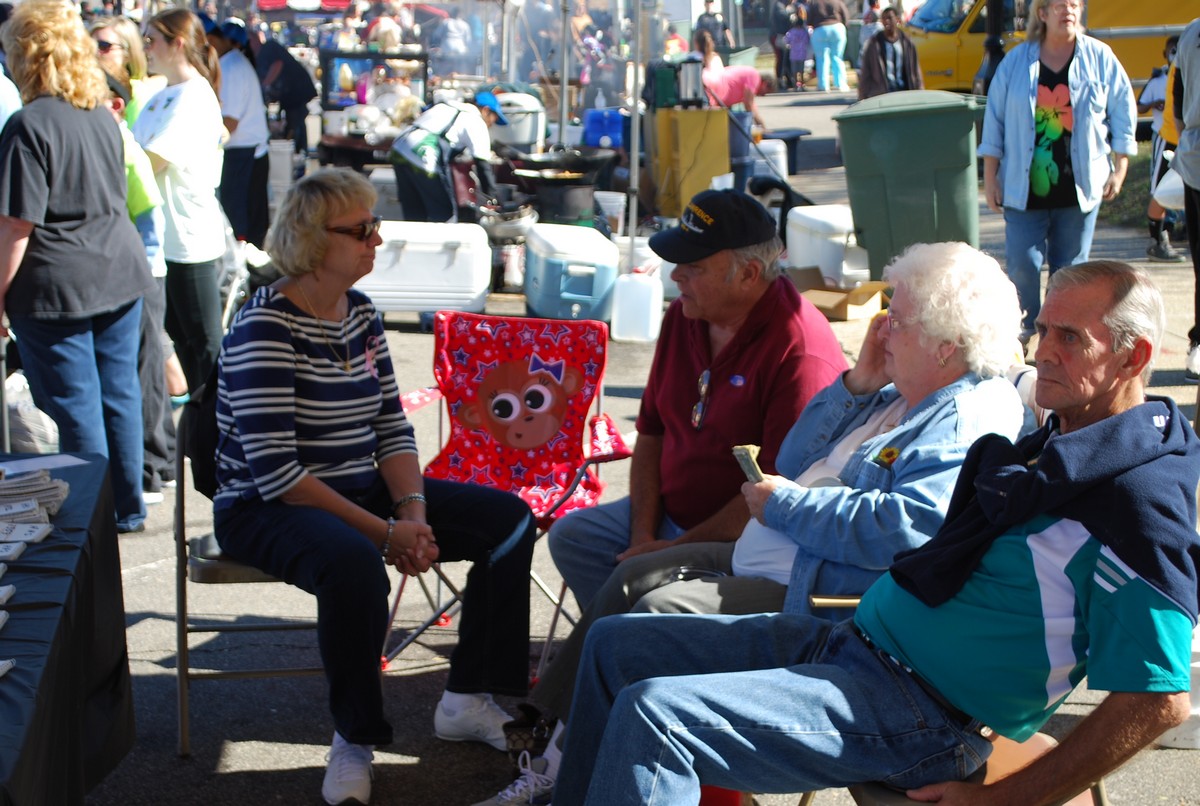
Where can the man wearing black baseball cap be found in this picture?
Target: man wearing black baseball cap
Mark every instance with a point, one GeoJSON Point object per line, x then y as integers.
{"type": "Point", "coordinates": [739, 356]}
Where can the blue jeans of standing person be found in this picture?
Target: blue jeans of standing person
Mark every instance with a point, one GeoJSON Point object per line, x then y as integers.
{"type": "Point", "coordinates": [83, 374]}
{"type": "Point", "coordinates": [829, 47]}
{"type": "Point", "coordinates": [585, 545]}
{"type": "Point", "coordinates": [194, 317]}
{"type": "Point", "coordinates": [1061, 237]}
{"type": "Point", "coordinates": [319, 553]}
{"type": "Point", "coordinates": [767, 703]}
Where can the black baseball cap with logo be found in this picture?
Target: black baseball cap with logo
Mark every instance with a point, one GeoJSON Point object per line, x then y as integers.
{"type": "Point", "coordinates": [712, 221]}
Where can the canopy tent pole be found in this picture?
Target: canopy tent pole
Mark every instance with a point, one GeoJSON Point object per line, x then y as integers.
{"type": "Point", "coordinates": [635, 131]}
{"type": "Point", "coordinates": [564, 47]}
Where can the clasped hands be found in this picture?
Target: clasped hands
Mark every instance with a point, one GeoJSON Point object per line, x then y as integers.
{"type": "Point", "coordinates": [412, 548]}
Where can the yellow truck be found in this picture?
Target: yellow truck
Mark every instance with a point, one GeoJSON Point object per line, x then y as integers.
{"type": "Point", "coordinates": [949, 34]}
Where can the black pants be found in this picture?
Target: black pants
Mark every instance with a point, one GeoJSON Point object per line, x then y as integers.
{"type": "Point", "coordinates": [1191, 212]}
{"type": "Point", "coordinates": [424, 197]}
{"type": "Point", "coordinates": [158, 429]}
{"type": "Point", "coordinates": [321, 554]}
{"type": "Point", "coordinates": [244, 193]}
{"type": "Point", "coordinates": [194, 317]}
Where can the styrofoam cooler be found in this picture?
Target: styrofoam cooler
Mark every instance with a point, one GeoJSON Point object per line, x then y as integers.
{"type": "Point", "coordinates": [280, 154]}
{"type": "Point", "coordinates": [569, 272]}
{"type": "Point", "coordinates": [428, 267]}
{"type": "Point", "coordinates": [822, 235]}
{"type": "Point", "coordinates": [770, 159]}
{"type": "Point", "coordinates": [637, 307]}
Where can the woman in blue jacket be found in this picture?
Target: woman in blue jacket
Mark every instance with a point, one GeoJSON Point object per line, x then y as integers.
{"type": "Point", "coordinates": [1056, 103]}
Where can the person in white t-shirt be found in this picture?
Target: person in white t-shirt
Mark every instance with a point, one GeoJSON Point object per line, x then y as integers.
{"type": "Point", "coordinates": [423, 152]}
{"type": "Point", "coordinates": [181, 130]}
{"type": "Point", "coordinates": [246, 166]}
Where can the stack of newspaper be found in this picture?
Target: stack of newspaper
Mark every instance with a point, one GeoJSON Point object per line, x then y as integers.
{"type": "Point", "coordinates": [17, 490]}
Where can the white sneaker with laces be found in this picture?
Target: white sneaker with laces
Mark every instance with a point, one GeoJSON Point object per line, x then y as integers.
{"type": "Point", "coordinates": [348, 774]}
{"type": "Point", "coordinates": [1192, 368]}
{"type": "Point", "coordinates": [532, 788]}
{"type": "Point", "coordinates": [481, 721]}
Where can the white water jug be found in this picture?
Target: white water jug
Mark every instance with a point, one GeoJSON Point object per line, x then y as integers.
{"type": "Point", "coordinates": [637, 307]}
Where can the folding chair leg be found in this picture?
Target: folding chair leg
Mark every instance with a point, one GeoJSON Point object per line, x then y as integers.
{"type": "Point", "coordinates": [438, 612]}
{"type": "Point", "coordinates": [558, 609]}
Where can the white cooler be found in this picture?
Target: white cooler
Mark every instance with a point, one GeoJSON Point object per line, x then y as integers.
{"type": "Point", "coordinates": [569, 272]}
{"type": "Point", "coordinates": [430, 267]}
{"type": "Point", "coordinates": [822, 235]}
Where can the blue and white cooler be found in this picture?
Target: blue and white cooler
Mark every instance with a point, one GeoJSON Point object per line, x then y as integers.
{"type": "Point", "coordinates": [569, 272]}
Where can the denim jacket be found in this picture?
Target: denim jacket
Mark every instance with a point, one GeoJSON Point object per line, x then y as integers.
{"type": "Point", "coordinates": [898, 484]}
{"type": "Point", "coordinates": [1102, 104]}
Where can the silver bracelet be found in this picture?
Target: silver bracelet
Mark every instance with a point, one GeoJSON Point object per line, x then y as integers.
{"type": "Point", "coordinates": [407, 499]}
{"type": "Point", "coordinates": [386, 547]}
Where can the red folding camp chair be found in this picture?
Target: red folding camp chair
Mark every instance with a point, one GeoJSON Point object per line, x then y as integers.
{"type": "Point", "coordinates": [518, 394]}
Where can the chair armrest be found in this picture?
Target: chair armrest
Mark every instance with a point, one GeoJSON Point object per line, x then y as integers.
{"type": "Point", "coordinates": [418, 399]}
{"type": "Point", "coordinates": [605, 443]}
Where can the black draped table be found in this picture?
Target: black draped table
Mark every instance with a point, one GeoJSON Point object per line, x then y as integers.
{"type": "Point", "coordinates": [66, 709]}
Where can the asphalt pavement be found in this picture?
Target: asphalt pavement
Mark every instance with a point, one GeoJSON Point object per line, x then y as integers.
{"type": "Point", "coordinates": [265, 740]}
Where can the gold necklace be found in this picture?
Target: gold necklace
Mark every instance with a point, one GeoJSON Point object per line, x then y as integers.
{"type": "Point", "coordinates": [321, 326]}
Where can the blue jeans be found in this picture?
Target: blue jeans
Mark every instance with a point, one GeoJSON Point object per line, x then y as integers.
{"type": "Point", "coordinates": [585, 545]}
{"type": "Point", "coordinates": [829, 47]}
{"type": "Point", "coordinates": [83, 374]}
{"type": "Point", "coordinates": [1060, 237]}
{"type": "Point", "coordinates": [319, 553]}
{"type": "Point", "coordinates": [767, 703]}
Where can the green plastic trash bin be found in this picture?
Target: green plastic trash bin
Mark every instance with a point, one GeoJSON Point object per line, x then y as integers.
{"type": "Point", "coordinates": [910, 170]}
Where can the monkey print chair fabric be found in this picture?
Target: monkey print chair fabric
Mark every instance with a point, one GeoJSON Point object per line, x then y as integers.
{"type": "Point", "coordinates": [518, 392]}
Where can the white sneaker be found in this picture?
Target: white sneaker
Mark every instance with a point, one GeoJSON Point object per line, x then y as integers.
{"type": "Point", "coordinates": [1192, 368]}
{"type": "Point", "coordinates": [532, 788]}
{"type": "Point", "coordinates": [152, 498]}
{"type": "Point", "coordinates": [348, 774]}
{"type": "Point", "coordinates": [483, 721]}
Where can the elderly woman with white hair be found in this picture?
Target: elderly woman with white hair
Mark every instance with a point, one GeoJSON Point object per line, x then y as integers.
{"type": "Point", "coordinates": [867, 470]}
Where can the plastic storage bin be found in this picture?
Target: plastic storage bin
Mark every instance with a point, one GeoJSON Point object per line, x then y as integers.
{"type": "Point", "coordinates": [569, 272]}
{"type": "Point", "coordinates": [603, 127]}
{"type": "Point", "coordinates": [910, 170]}
{"type": "Point", "coordinates": [822, 235]}
{"type": "Point", "coordinates": [428, 267]}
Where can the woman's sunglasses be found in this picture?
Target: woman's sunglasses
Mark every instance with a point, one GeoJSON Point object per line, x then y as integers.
{"type": "Point", "coordinates": [362, 232]}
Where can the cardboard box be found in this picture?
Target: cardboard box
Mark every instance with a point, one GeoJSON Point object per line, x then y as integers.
{"type": "Point", "coordinates": [841, 306]}
{"type": "Point", "coordinates": [806, 278]}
